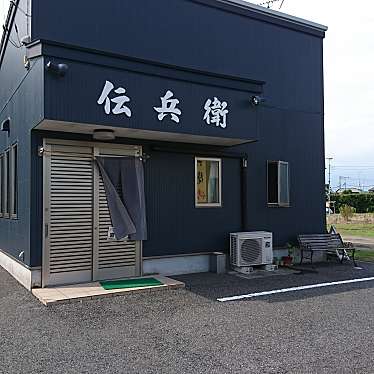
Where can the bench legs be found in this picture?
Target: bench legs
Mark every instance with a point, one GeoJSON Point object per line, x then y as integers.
{"type": "Point", "coordinates": [353, 257]}
{"type": "Point", "coordinates": [343, 254]}
{"type": "Point", "coordinates": [302, 256]}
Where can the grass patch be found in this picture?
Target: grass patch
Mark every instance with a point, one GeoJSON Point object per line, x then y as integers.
{"type": "Point", "coordinates": [364, 255]}
{"type": "Point", "coordinates": [355, 229]}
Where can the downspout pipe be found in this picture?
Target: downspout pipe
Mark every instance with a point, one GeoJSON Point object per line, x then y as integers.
{"type": "Point", "coordinates": [244, 193]}
{"type": "Point", "coordinates": [242, 157]}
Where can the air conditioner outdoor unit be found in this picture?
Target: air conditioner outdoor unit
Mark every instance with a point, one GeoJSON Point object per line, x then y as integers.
{"type": "Point", "coordinates": [251, 248]}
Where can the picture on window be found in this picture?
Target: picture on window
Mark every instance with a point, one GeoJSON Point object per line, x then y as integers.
{"type": "Point", "coordinates": [208, 182]}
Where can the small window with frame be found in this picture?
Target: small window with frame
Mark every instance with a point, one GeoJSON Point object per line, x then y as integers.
{"type": "Point", "coordinates": [2, 186]}
{"type": "Point", "coordinates": [278, 183]}
{"type": "Point", "coordinates": [6, 184]}
{"type": "Point", "coordinates": [14, 182]}
{"type": "Point", "coordinates": [208, 182]}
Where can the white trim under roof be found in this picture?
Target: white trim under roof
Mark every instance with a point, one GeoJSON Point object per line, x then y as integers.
{"type": "Point", "coordinates": [139, 134]}
{"type": "Point", "coordinates": [275, 14]}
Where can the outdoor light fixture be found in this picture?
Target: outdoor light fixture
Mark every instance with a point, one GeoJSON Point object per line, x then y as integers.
{"type": "Point", "coordinates": [256, 100]}
{"type": "Point", "coordinates": [57, 69]}
{"type": "Point", "coordinates": [103, 135]}
{"type": "Point", "coordinates": [5, 125]}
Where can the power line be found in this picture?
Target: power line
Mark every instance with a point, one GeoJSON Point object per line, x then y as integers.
{"type": "Point", "coordinates": [20, 9]}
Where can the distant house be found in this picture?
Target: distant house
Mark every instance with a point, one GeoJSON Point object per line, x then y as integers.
{"type": "Point", "coordinates": [371, 190]}
{"type": "Point", "coordinates": [349, 190]}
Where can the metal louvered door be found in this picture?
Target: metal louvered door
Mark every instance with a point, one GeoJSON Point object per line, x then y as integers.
{"type": "Point", "coordinates": [76, 246]}
{"type": "Point", "coordinates": [113, 258]}
{"type": "Point", "coordinates": [68, 220]}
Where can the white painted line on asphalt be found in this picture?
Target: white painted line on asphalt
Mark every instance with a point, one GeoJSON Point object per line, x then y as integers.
{"type": "Point", "coordinates": [293, 289]}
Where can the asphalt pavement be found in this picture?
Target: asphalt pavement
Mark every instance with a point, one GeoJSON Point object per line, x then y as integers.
{"type": "Point", "coordinates": [188, 331]}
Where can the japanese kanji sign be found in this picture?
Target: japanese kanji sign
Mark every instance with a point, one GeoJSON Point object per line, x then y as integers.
{"type": "Point", "coordinates": [119, 100]}
{"type": "Point", "coordinates": [168, 106]}
{"type": "Point", "coordinates": [216, 111]}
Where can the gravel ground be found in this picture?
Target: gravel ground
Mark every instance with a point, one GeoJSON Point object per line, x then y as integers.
{"type": "Point", "coordinates": [186, 331]}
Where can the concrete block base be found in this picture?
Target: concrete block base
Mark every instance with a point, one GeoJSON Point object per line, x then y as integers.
{"type": "Point", "coordinates": [87, 291]}
{"type": "Point", "coordinates": [186, 264]}
{"type": "Point", "coordinates": [27, 277]}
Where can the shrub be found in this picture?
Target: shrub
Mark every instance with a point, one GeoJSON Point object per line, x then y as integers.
{"type": "Point", "coordinates": [363, 202]}
{"type": "Point", "coordinates": [347, 212]}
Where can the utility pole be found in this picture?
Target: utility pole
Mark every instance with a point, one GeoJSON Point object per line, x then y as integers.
{"type": "Point", "coordinates": [329, 195]}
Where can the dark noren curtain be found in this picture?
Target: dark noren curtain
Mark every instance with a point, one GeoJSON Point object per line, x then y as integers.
{"type": "Point", "coordinates": [123, 179]}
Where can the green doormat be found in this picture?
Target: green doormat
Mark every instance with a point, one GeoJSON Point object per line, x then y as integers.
{"type": "Point", "coordinates": [130, 283]}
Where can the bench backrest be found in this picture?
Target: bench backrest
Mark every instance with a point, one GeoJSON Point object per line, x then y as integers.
{"type": "Point", "coordinates": [320, 242]}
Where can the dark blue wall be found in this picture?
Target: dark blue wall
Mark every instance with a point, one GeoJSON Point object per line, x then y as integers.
{"type": "Point", "coordinates": [175, 224]}
{"type": "Point", "coordinates": [21, 92]}
{"type": "Point", "coordinates": [297, 138]}
{"type": "Point", "coordinates": [83, 85]}
{"type": "Point", "coordinates": [25, 110]}
{"type": "Point", "coordinates": [188, 35]}
{"type": "Point", "coordinates": [185, 34]}
{"type": "Point", "coordinates": [169, 188]}
{"type": "Point", "coordinates": [208, 38]}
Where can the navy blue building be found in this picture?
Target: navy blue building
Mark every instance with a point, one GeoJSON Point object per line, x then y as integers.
{"type": "Point", "coordinates": [222, 100]}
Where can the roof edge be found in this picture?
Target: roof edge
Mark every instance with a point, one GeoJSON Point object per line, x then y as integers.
{"type": "Point", "coordinates": [7, 26]}
{"type": "Point", "coordinates": [274, 14]}
{"type": "Point", "coordinates": [43, 47]}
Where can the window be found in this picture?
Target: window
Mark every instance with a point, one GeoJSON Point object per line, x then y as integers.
{"type": "Point", "coordinates": [208, 182]}
{"type": "Point", "coordinates": [278, 183]}
{"type": "Point", "coordinates": [1, 184]}
{"type": "Point", "coordinates": [6, 184]}
{"type": "Point", "coordinates": [9, 183]}
{"type": "Point", "coordinates": [14, 182]}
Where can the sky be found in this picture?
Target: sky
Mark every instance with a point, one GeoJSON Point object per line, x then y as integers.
{"type": "Point", "coordinates": [349, 83]}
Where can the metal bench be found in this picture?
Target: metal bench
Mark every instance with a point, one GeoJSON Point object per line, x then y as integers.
{"type": "Point", "coordinates": [330, 243]}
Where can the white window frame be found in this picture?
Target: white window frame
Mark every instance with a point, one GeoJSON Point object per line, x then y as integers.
{"type": "Point", "coordinates": [279, 203]}
{"type": "Point", "coordinates": [13, 182]}
{"type": "Point", "coordinates": [7, 170]}
{"type": "Point", "coordinates": [209, 205]}
{"type": "Point", "coordinates": [2, 184]}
